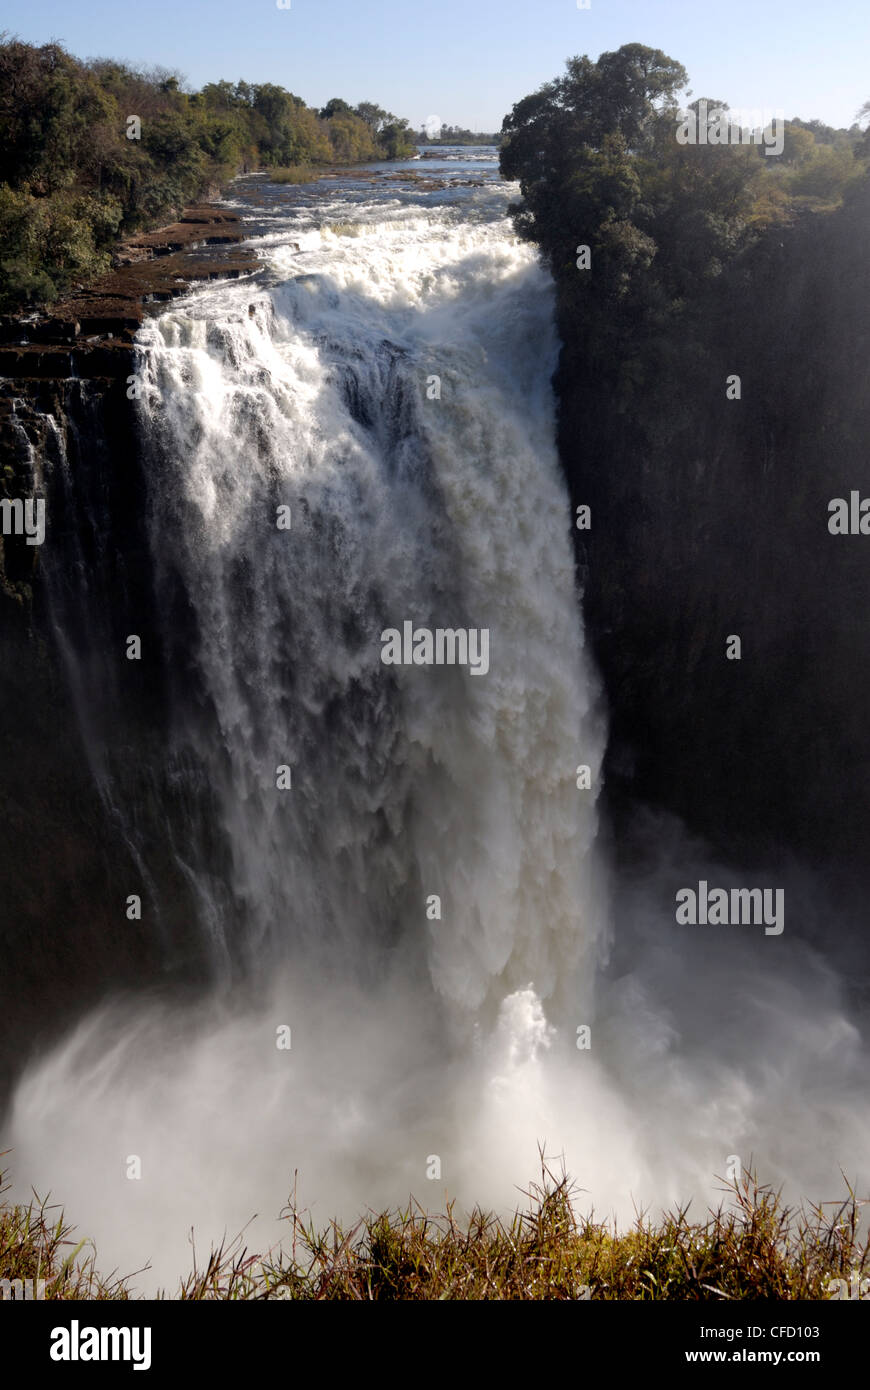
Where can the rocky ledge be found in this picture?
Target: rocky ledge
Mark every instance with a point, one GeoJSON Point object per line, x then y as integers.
{"type": "Point", "coordinates": [90, 333]}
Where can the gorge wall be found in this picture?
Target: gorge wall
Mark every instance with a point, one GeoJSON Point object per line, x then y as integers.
{"type": "Point", "coordinates": [69, 436]}
{"type": "Point", "coordinates": [709, 517]}
{"type": "Point", "coordinates": [64, 930]}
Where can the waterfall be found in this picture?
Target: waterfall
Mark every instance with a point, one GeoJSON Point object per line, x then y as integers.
{"type": "Point", "coordinates": [393, 391]}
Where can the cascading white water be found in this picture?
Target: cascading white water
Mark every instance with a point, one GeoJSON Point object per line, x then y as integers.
{"type": "Point", "coordinates": [451, 512]}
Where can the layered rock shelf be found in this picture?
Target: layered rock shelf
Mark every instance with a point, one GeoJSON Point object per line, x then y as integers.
{"type": "Point", "coordinates": [90, 333]}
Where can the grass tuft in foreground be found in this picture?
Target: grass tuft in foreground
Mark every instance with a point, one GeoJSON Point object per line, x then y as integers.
{"type": "Point", "coordinates": [35, 1245]}
{"type": "Point", "coordinates": [753, 1247]}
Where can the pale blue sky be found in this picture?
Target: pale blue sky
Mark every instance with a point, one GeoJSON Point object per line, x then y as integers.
{"type": "Point", "coordinates": [468, 61]}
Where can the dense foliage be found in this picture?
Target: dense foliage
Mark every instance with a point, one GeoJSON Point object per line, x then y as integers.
{"type": "Point", "coordinates": [598, 162]}
{"type": "Point", "coordinates": [76, 170]}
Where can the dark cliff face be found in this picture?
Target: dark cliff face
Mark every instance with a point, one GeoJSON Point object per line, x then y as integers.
{"type": "Point", "coordinates": [82, 729]}
{"type": "Point", "coordinates": [89, 801]}
{"type": "Point", "coordinates": [710, 518]}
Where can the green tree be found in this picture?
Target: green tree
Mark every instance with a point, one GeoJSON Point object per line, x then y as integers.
{"type": "Point", "coordinates": [374, 116]}
{"type": "Point", "coordinates": [336, 107]}
{"type": "Point", "coordinates": [351, 139]}
{"type": "Point", "coordinates": [396, 139]}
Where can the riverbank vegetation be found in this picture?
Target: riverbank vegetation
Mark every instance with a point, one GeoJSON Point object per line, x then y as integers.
{"type": "Point", "coordinates": [92, 151]}
{"type": "Point", "coordinates": [752, 1246]}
